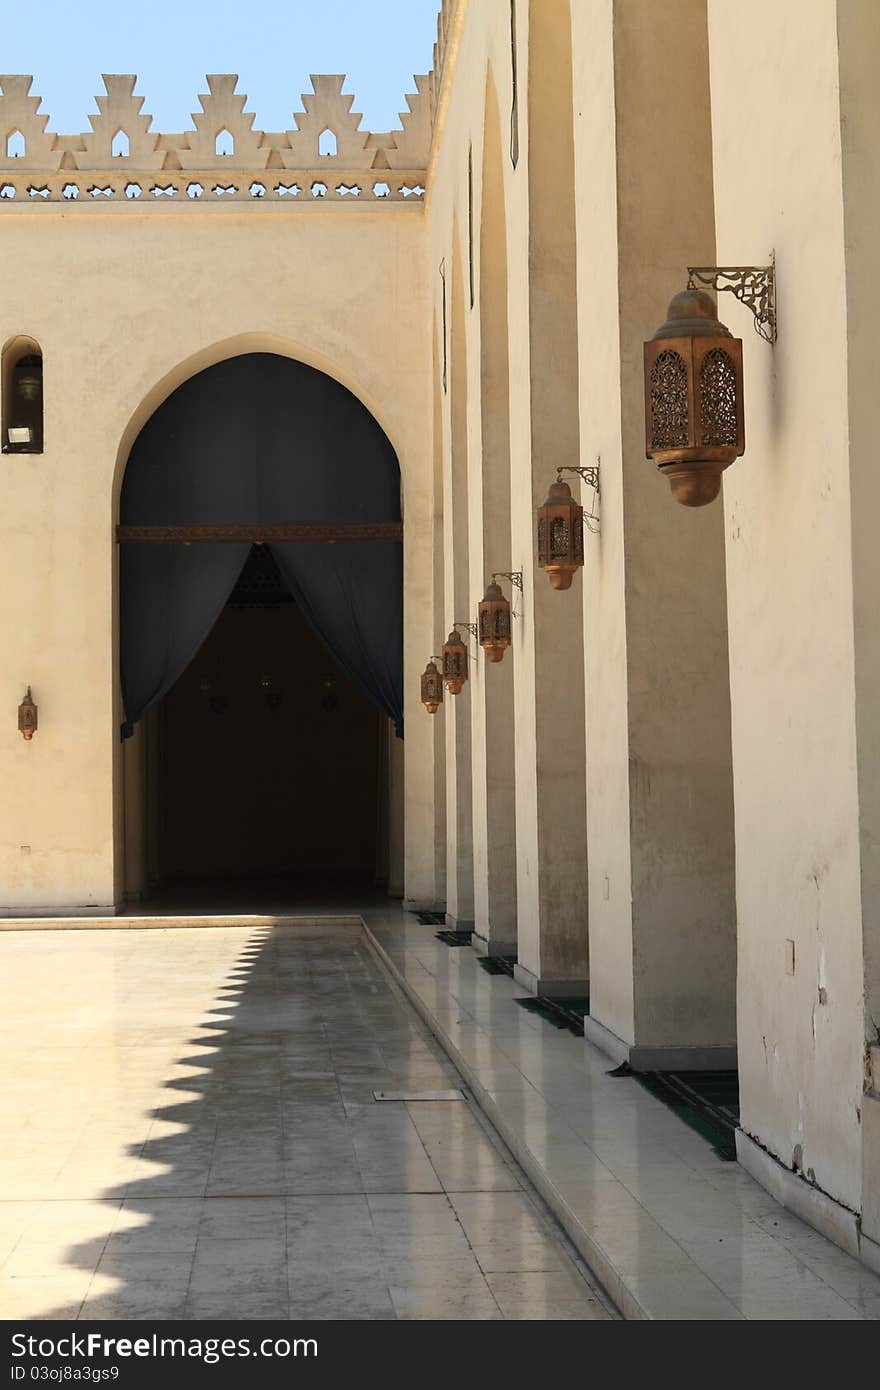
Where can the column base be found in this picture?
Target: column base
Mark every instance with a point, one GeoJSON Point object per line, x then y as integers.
{"type": "Point", "coordinates": [484, 946]}
{"type": "Point", "coordinates": [643, 1058]}
{"type": "Point", "coordinates": [551, 989]}
{"type": "Point", "coordinates": [810, 1203]}
{"type": "Point", "coordinates": [24, 913]}
{"type": "Point", "coordinates": [459, 923]}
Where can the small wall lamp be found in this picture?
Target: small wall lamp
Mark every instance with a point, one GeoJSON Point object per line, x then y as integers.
{"type": "Point", "coordinates": [432, 686]}
{"type": "Point", "coordinates": [561, 522]}
{"type": "Point", "coordinates": [455, 658]}
{"type": "Point", "coordinates": [494, 615]}
{"type": "Point", "coordinates": [27, 717]}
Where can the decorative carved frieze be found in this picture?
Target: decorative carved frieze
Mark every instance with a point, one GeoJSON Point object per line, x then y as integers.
{"type": "Point", "coordinates": [222, 159]}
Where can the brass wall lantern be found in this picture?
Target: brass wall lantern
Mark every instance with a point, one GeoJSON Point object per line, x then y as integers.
{"type": "Point", "coordinates": [494, 615]}
{"type": "Point", "coordinates": [694, 420]}
{"type": "Point", "coordinates": [27, 717]}
{"type": "Point", "coordinates": [455, 659]}
{"type": "Point", "coordinates": [561, 523]}
{"type": "Point", "coordinates": [432, 686]}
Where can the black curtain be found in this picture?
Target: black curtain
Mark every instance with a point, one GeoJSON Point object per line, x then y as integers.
{"type": "Point", "coordinates": [261, 438]}
{"type": "Point", "coordinates": [351, 595]}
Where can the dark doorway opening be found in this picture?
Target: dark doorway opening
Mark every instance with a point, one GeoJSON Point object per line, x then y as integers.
{"type": "Point", "coordinates": [266, 766]}
{"type": "Point", "coordinates": [256, 771]}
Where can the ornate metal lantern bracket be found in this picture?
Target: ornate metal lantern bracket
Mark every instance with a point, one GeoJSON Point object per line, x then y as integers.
{"type": "Point", "coordinates": [753, 285]}
{"type": "Point", "coordinates": [515, 577]}
{"type": "Point", "coordinates": [471, 627]}
{"type": "Point", "coordinates": [590, 476]}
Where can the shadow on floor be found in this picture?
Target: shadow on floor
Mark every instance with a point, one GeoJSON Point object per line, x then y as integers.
{"type": "Point", "coordinates": [271, 1184]}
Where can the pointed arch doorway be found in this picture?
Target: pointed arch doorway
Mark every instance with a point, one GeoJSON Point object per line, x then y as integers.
{"type": "Point", "coordinates": [260, 638]}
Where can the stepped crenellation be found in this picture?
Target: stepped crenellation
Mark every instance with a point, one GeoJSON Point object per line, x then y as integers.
{"type": "Point", "coordinates": [324, 155]}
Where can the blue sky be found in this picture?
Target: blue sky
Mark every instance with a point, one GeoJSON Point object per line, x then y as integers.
{"type": "Point", "coordinates": [171, 44]}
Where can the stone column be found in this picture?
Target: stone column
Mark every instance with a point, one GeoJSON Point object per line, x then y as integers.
{"type": "Point", "coordinates": [548, 687]}
{"type": "Point", "coordinates": [459, 795]}
{"type": "Point", "coordinates": [803, 571]}
{"type": "Point", "coordinates": [494, 809]}
{"type": "Point", "coordinates": [659, 785]}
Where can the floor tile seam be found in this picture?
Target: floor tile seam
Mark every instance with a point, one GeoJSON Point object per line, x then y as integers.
{"type": "Point", "coordinates": [94, 1276]}
{"type": "Point", "coordinates": [377, 1243]}
{"type": "Point", "coordinates": [283, 1132]}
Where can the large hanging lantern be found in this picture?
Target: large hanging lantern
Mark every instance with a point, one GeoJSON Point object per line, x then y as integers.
{"type": "Point", "coordinates": [432, 687]}
{"type": "Point", "coordinates": [455, 663]}
{"type": "Point", "coordinates": [494, 622]}
{"type": "Point", "coordinates": [560, 535]}
{"type": "Point", "coordinates": [694, 424]}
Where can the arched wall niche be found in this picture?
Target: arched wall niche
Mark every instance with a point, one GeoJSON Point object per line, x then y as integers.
{"type": "Point", "coordinates": [21, 411]}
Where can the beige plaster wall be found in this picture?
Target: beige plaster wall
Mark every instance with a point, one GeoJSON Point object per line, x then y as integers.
{"type": "Point", "coordinates": [778, 186]}
{"type": "Point", "coordinates": [126, 303]}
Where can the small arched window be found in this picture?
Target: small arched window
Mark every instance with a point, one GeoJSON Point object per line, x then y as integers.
{"type": "Point", "coordinates": [224, 144]}
{"type": "Point", "coordinates": [22, 373]}
{"type": "Point", "coordinates": [121, 146]}
{"type": "Point", "coordinates": [327, 146]}
{"type": "Point", "coordinates": [16, 148]}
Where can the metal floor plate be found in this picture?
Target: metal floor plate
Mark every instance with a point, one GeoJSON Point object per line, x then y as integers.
{"type": "Point", "coordinates": [418, 1095]}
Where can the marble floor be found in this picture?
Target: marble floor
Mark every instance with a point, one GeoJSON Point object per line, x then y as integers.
{"type": "Point", "coordinates": [190, 1131]}
{"type": "Point", "coordinates": [672, 1230]}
